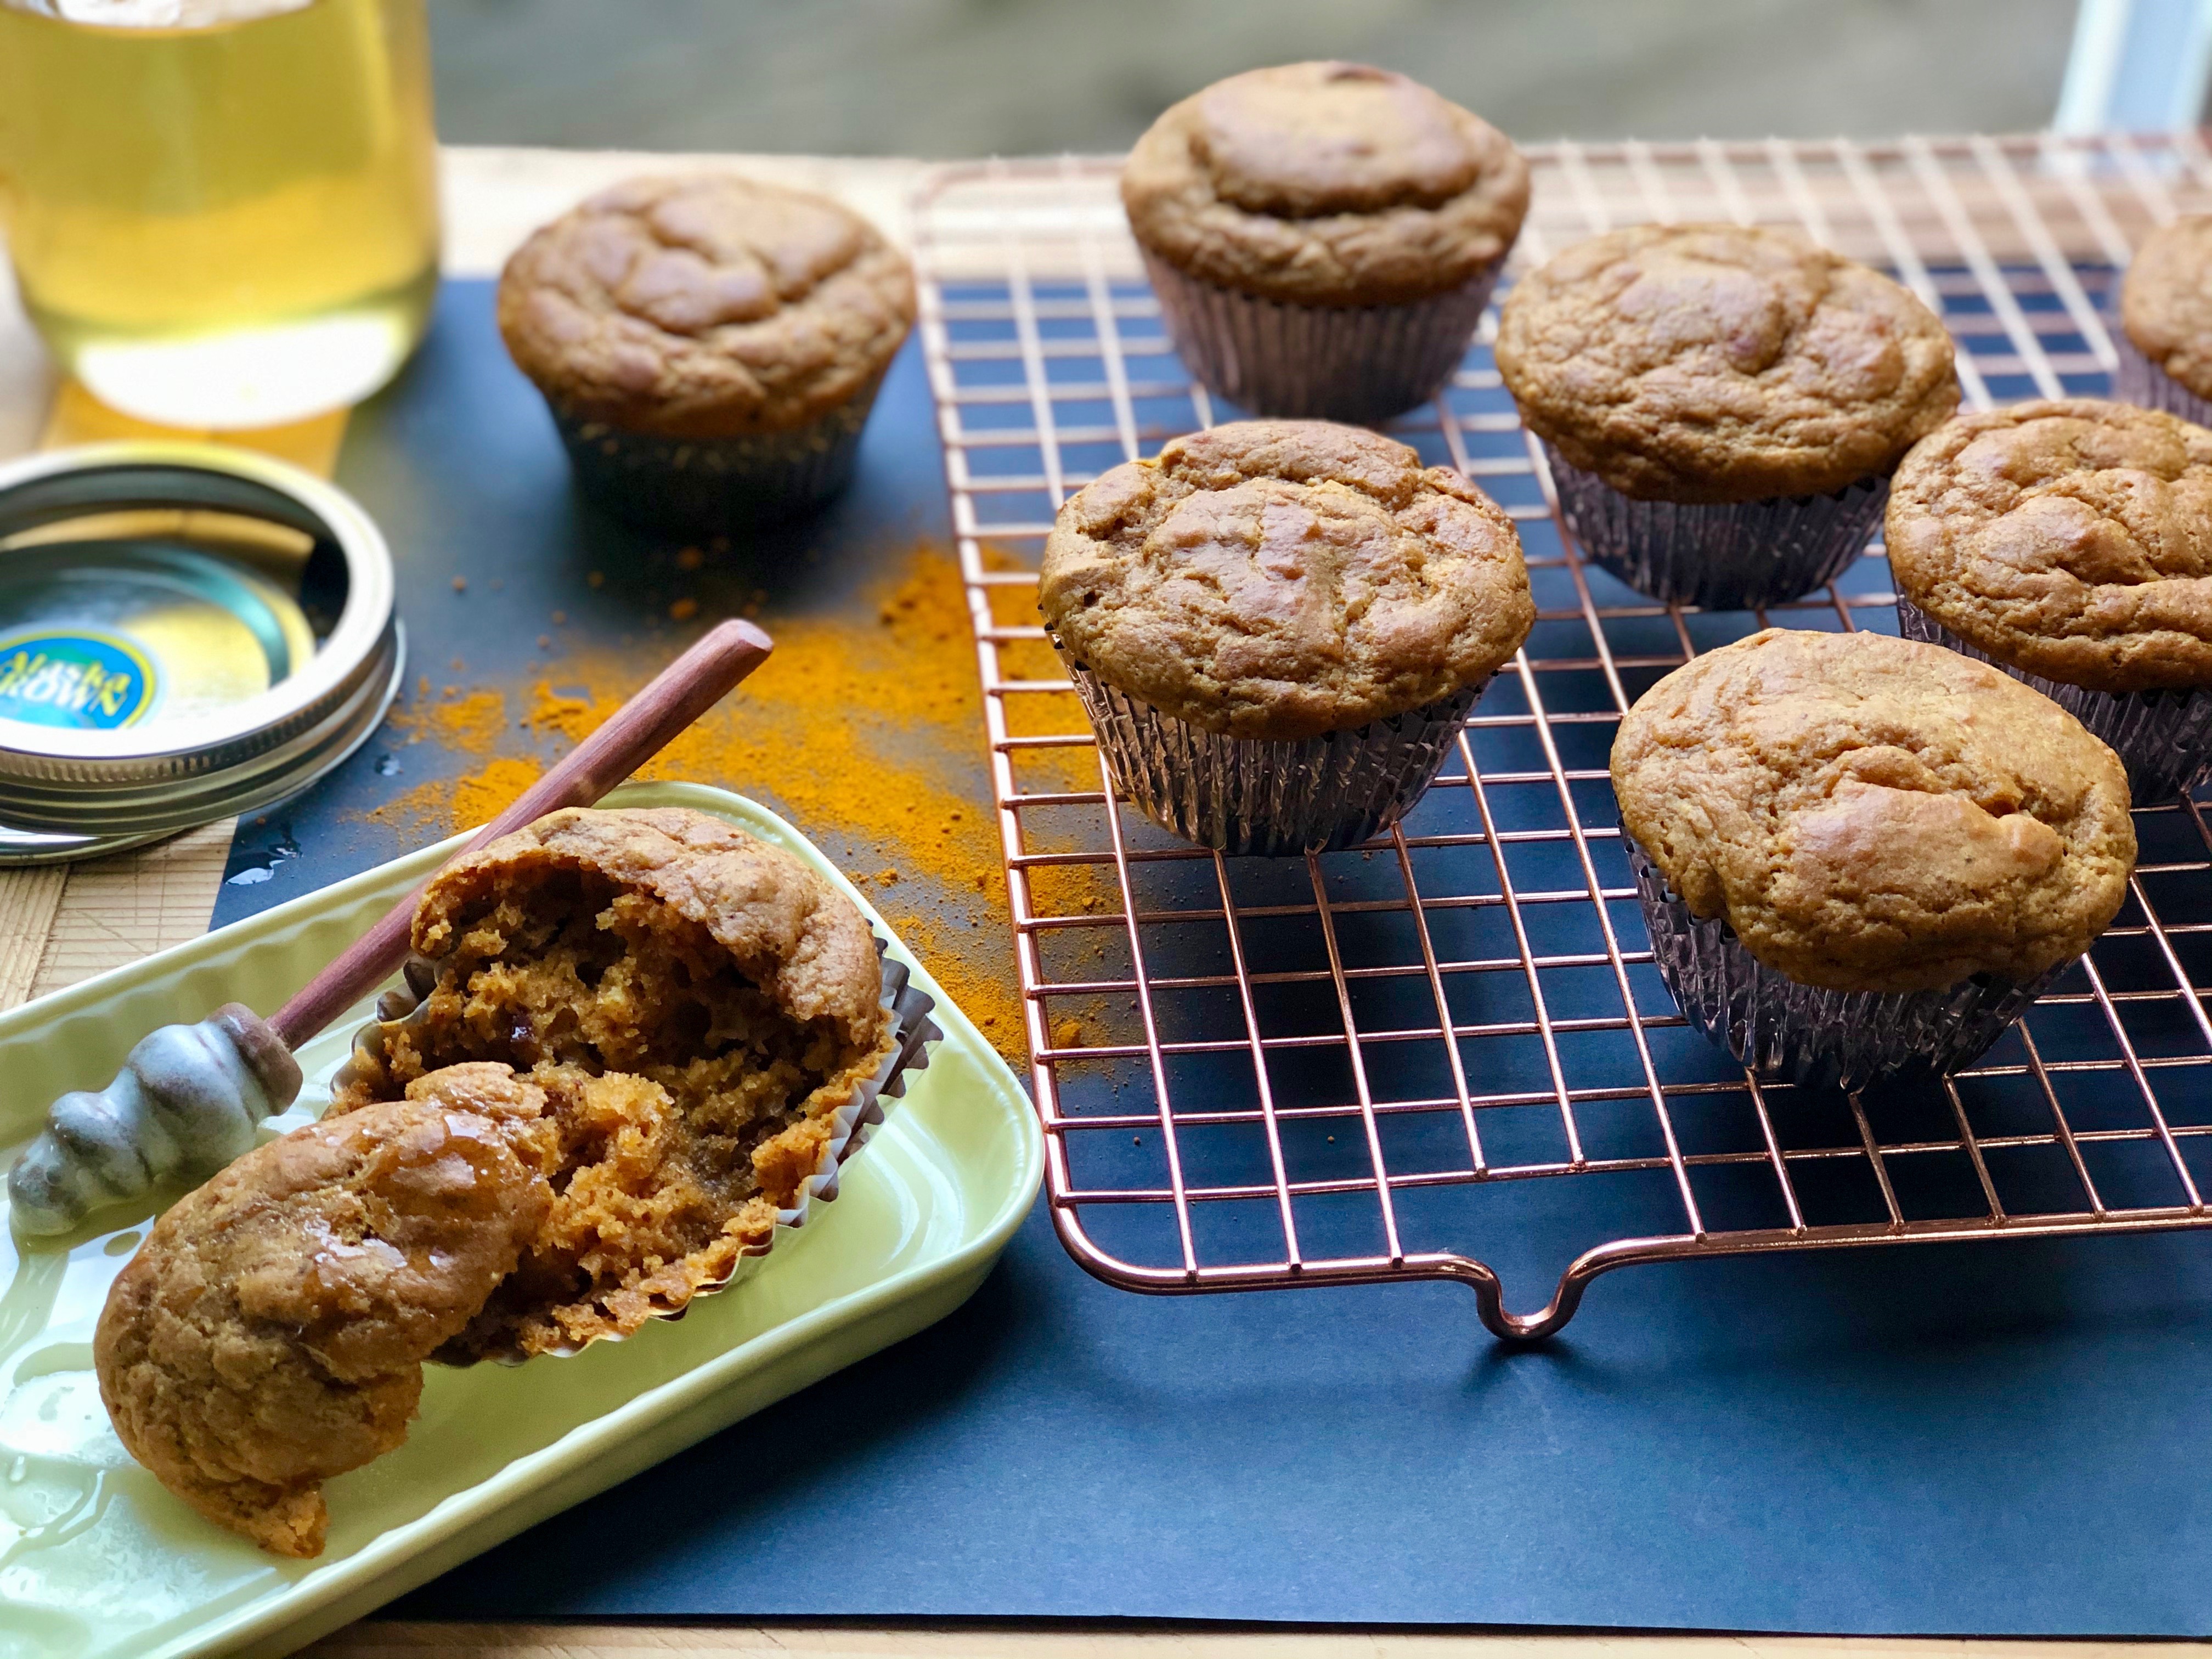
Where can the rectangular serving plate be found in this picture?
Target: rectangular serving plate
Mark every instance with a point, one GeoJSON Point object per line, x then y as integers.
{"type": "Point", "coordinates": [97, 1559]}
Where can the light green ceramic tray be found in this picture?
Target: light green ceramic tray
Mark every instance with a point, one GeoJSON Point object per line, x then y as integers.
{"type": "Point", "coordinates": [96, 1559]}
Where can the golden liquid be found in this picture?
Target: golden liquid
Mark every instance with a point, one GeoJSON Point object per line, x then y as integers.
{"type": "Point", "coordinates": [230, 225]}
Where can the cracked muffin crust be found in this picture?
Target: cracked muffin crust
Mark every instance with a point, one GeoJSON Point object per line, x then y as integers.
{"type": "Point", "coordinates": [1874, 814]}
{"type": "Point", "coordinates": [2072, 540]}
{"type": "Point", "coordinates": [1720, 363]}
{"type": "Point", "coordinates": [696, 1006]}
{"type": "Point", "coordinates": [2165, 300]}
{"type": "Point", "coordinates": [708, 306]}
{"type": "Point", "coordinates": [1278, 579]}
{"type": "Point", "coordinates": [270, 1333]}
{"type": "Point", "coordinates": [1326, 184]}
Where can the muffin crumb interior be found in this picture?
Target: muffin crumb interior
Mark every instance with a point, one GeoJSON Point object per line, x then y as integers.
{"type": "Point", "coordinates": [681, 1090]}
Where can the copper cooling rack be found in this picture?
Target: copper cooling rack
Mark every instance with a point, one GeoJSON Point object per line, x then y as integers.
{"type": "Point", "coordinates": [1448, 1055]}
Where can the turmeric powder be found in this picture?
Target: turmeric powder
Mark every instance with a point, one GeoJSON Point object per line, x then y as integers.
{"type": "Point", "coordinates": [869, 736]}
{"type": "Point", "coordinates": [467, 722]}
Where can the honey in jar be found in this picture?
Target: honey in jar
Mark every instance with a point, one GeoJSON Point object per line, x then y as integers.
{"type": "Point", "coordinates": [221, 213]}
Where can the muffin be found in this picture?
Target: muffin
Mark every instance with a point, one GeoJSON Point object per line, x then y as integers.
{"type": "Point", "coordinates": [1277, 628]}
{"type": "Point", "coordinates": [1323, 237]}
{"type": "Point", "coordinates": [709, 347]}
{"type": "Point", "coordinates": [1722, 406]}
{"type": "Point", "coordinates": [2164, 337]}
{"type": "Point", "coordinates": [270, 1333]}
{"type": "Point", "coordinates": [1859, 855]}
{"type": "Point", "coordinates": [710, 1026]}
{"type": "Point", "coordinates": [2070, 544]}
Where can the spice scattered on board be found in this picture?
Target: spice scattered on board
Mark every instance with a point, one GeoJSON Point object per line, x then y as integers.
{"type": "Point", "coordinates": [867, 733]}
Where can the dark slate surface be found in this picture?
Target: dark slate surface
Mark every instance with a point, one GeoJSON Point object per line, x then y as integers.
{"type": "Point", "coordinates": [2005, 1439]}
{"type": "Point", "coordinates": [458, 463]}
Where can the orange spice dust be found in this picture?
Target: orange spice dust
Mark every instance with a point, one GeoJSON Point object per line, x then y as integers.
{"type": "Point", "coordinates": [868, 734]}
{"type": "Point", "coordinates": [466, 722]}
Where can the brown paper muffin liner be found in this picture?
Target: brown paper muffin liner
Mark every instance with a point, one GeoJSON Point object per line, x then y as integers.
{"type": "Point", "coordinates": [1801, 1034]}
{"type": "Point", "coordinates": [1243, 795]}
{"type": "Point", "coordinates": [1356, 363]}
{"type": "Point", "coordinates": [2142, 382]}
{"type": "Point", "coordinates": [707, 486]}
{"type": "Point", "coordinates": [2164, 738]}
{"type": "Point", "coordinates": [909, 1007]}
{"type": "Point", "coordinates": [1732, 556]}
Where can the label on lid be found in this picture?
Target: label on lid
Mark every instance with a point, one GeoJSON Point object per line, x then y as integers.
{"type": "Point", "coordinates": [84, 681]}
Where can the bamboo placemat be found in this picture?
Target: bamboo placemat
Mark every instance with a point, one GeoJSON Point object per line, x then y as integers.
{"type": "Point", "coordinates": [373, 1640]}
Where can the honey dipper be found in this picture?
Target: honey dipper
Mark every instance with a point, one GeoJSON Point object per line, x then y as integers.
{"type": "Point", "coordinates": [188, 1097]}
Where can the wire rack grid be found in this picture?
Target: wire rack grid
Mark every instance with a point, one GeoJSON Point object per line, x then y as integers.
{"type": "Point", "coordinates": [1448, 1055]}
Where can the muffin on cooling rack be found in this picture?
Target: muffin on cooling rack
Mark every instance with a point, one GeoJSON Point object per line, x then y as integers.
{"type": "Point", "coordinates": [1859, 855]}
{"type": "Point", "coordinates": [1277, 628]}
{"type": "Point", "coordinates": [1721, 405]}
{"type": "Point", "coordinates": [709, 346]}
{"type": "Point", "coordinates": [2164, 337]}
{"type": "Point", "coordinates": [2070, 544]}
{"type": "Point", "coordinates": [1323, 237]}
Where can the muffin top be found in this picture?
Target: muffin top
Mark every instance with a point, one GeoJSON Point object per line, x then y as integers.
{"type": "Point", "coordinates": [271, 1331]}
{"type": "Point", "coordinates": [2165, 300]}
{"type": "Point", "coordinates": [1874, 814]}
{"type": "Point", "coordinates": [2072, 540]}
{"type": "Point", "coordinates": [1277, 580]}
{"type": "Point", "coordinates": [1326, 184]}
{"type": "Point", "coordinates": [705, 307]}
{"type": "Point", "coordinates": [1722, 364]}
{"type": "Point", "coordinates": [788, 930]}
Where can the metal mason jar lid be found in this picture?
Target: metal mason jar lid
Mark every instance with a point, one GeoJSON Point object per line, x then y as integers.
{"type": "Point", "coordinates": [187, 631]}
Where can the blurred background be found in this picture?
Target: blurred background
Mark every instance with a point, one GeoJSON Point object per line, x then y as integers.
{"type": "Point", "coordinates": [941, 78]}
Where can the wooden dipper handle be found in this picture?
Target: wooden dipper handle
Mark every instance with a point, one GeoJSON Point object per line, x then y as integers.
{"type": "Point", "coordinates": [641, 729]}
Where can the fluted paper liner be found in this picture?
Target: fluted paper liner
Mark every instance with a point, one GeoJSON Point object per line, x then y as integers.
{"type": "Point", "coordinates": [1244, 795]}
{"type": "Point", "coordinates": [1734, 555]}
{"type": "Point", "coordinates": [1358, 363]}
{"type": "Point", "coordinates": [700, 486]}
{"type": "Point", "coordinates": [2164, 738]}
{"type": "Point", "coordinates": [909, 1007]}
{"type": "Point", "coordinates": [1800, 1033]}
{"type": "Point", "coordinates": [2142, 382]}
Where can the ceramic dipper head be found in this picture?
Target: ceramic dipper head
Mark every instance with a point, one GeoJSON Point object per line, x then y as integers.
{"type": "Point", "coordinates": [184, 1104]}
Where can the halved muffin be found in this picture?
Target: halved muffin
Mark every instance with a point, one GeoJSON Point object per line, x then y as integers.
{"type": "Point", "coordinates": [701, 1010]}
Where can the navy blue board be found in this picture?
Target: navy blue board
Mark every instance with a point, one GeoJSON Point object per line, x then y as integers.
{"type": "Point", "coordinates": [2003, 1439]}
{"type": "Point", "coordinates": [458, 463]}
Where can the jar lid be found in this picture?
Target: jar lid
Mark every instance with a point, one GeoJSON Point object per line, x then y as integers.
{"type": "Point", "coordinates": [187, 631]}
